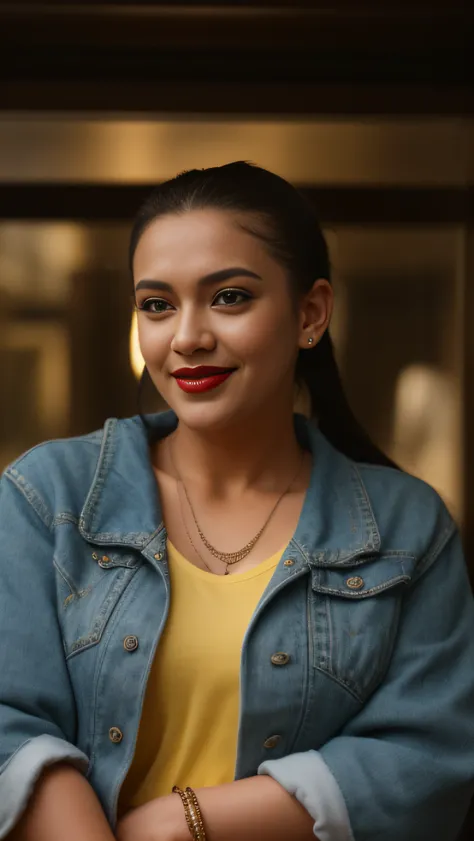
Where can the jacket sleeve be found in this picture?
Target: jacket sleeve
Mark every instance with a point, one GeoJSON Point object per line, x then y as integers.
{"type": "Point", "coordinates": [37, 708]}
{"type": "Point", "coordinates": [404, 765]}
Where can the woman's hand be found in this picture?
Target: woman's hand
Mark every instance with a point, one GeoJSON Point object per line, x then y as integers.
{"type": "Point", "coordinates": [162, 819]}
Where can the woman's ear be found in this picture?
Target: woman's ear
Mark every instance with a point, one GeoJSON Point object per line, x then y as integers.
{"type": "Point", "coordinates": [315, 312]}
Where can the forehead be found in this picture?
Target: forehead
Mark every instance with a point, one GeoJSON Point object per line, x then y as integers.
{"type": "Point", "coordinates": [201, 240]}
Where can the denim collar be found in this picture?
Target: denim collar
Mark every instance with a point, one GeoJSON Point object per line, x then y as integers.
{"type": "Point", "coordinates": [336, 523]}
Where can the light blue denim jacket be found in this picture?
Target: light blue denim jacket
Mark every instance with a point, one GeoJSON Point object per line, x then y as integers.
{"type": "Point", "coordinates": [373, 713]}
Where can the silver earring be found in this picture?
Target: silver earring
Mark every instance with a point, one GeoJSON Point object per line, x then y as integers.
{"type": "Point", "coordinates": [310, 341]}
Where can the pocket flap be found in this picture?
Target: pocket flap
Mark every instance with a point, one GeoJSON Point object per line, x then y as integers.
{"type": "Point", "coordinates": [366, 579]}
{"type": "Point", "coordinates": [107, 559]}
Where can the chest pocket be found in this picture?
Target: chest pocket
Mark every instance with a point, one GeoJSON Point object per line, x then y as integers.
{"type": "Point", "coordinates": [354, 619]}
{"type": "Point", "coordinates": [89, 586]}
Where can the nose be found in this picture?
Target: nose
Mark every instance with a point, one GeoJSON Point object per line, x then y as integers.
{"type": "Point", "coordinates": [191, 334]}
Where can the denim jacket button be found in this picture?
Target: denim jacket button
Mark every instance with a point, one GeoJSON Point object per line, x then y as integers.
{"type": "Point", "coordinates": [280, 658]}
{"type": "Point", "coordinates": [115, 735]}
{"type": "Point", "coordinates": [158, 556]}
{"type": "Point", "coordinates": [289, 562]}
{"type": "Point", "coordinates": [355, 582]}
{"type": "Point", "coordinates": [130, 643]}
{"type": "Point", "coordinates": [271, 742]}
{"type": "Point", "coordinates": [104, 561]}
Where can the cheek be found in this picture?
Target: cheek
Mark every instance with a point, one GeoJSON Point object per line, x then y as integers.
{"type": "Point", "coordinates": [273, 336]}
{"type": "Point", "coordinates": [152, 340]}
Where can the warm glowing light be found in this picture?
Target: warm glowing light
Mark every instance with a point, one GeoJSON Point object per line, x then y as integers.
{"type": "Point", "coordinates": [426, 430]}
{"type": "Point", "coordinates": [136, 358]}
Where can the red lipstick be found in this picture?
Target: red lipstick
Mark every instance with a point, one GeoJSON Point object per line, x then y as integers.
{"type": "Point", "coordinates": [201, 378]}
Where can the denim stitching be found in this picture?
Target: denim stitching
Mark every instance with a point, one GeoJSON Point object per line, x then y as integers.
{"type": "Point", "coordinates": [302, 549]}
{"type": "Point", "coordinates": [309, 601]}
{"type": "Point", "coordinates": [65, 517]}
{"type": "Point", "coordinates": [427, 560]}
{"type": "Point", "coordinates": [386, 585]}
{"type": "Point", "coordinates": [69, 583]}
{"type": "Point", "coordinates": [307, 666]}
{"type": "Point", "coordinates": [90, 438]}
{"type": "Point", "coordinates": [330, 664]}
{"type": "Point", "coordinates": [105, 456]}
{"type": "Point", "coordinates": [115, 617]}
{"type": "Point", "coordinates": [98, 627]}
{"type": "Point", "coordinates": [342, 683]}
{"type": "Point", "coordinates": [32, 496]}
{"type": "Point", "coordinates": [370, 522]}
{"type": "Point", "coordinates": [159, 633]}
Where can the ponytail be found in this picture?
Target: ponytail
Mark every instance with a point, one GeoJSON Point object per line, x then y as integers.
{"type": "Point", "coordinates": [317, 368]}
{"type": "Point", "coordinates": [286, 223]}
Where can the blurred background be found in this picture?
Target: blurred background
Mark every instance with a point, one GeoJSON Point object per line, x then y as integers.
{"type": "Point", "coordinates": [367, 107]}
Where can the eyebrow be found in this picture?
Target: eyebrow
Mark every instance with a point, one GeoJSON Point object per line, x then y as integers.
{"type": "Point", "coordinates": [207, 280]}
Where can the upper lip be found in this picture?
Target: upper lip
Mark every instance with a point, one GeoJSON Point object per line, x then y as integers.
{"type": "Point", "coordinates": [200, 371]}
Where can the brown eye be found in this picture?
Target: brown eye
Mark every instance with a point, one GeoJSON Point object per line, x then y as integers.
{"type": "Point", "coordinates": [153, 305]}
{"type": "Point", "coordinates": [229, 296]}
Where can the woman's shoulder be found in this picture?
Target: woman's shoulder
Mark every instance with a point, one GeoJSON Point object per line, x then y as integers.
{"type": "Point", "coordinates": [411, 515]}
{"type": "Point", "coordinates": [61, 471]}
{"type": "Point", "coordinates": [57, 451]}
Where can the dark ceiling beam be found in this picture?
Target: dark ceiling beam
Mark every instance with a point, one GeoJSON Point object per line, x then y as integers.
{"type": "Point", "coordinates": [236, 99]}
{"type": "Point", "coordinates": [334, 204]}
{"type": "Point", "coordinates": [334, 7]}
{"type": "Point", "coordinates": [238, 58]}
{"type": "Point", "coordinates": [235, 25]}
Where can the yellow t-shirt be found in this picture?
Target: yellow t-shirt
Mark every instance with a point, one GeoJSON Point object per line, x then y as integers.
{"type": "Point", "coordinates": [189, 724]}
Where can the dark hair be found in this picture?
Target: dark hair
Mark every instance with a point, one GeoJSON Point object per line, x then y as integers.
{"type": "Point", "coordinates": [279, 215]}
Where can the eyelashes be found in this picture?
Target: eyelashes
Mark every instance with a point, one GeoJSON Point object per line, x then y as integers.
{"type": "Point", "coordinates": [239, 292]}
{"type": "Point", "coordinates": [149, 303]}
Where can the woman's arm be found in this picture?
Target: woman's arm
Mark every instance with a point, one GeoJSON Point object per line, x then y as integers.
{"type": "Point", "coordinates": [38, 715]}
{"type": "Point", "coordinates": [63, 806]}
{"type": "Point", "coordinates": [257, 809]}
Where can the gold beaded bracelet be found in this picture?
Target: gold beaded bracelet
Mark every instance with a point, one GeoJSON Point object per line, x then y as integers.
{"type": "Point", "coordinates": [192, 813]}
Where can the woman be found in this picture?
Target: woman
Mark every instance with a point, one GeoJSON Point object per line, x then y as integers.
{"type": "Point", "coordinates": [226, 621]}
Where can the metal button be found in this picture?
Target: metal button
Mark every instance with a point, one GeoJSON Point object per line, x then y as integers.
{"type": "Point", "coordinates": [271, 742]}
{"type": "Point", "coordinates": [158, 556]}
{"type": "Point", "coordinates": [115, 735]}
{"type": "Point", "coordinates": [289, 562]}
{"type": "Point", "coordinates": [105, 562]}
{"type": "Point", "coordinates": [280, 658]}
{"type": "Point", "coordinates": [130, 643]}
{"type": "Point", "coordinates": [355, 583]}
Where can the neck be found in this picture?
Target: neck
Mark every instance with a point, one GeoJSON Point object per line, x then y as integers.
{"type": "Point", "coordinates": [260, 454]}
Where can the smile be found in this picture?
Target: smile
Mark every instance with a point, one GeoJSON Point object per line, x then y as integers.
{"type": "Point", "coordinates": [201, 379]}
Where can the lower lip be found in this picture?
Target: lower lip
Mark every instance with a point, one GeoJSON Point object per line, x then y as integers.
{"type": "Point", "coordinates": [205, 384]}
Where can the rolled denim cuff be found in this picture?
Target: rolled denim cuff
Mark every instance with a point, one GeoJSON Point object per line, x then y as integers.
{"type": "Point", "coordinates": [20, 773]}
{"type": "Point", "coordinates": [307, 777]}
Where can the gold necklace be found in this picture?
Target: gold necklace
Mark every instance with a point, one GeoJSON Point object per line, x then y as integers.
{"type": "Point", "coordinates": [229, 558]}
{"type": "Point", "coordinates": [182, 513]}
{"type": "Point", "coordinates": [189, 536]}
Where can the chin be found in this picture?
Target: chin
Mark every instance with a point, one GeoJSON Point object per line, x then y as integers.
{"type": "Point", "coordinates": [205, 412]}
{"type": "Point", "coordinates": [206, 417]}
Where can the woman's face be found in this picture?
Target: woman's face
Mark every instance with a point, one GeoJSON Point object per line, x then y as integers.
{"type": "Point", "coordinates": [209, 294]}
